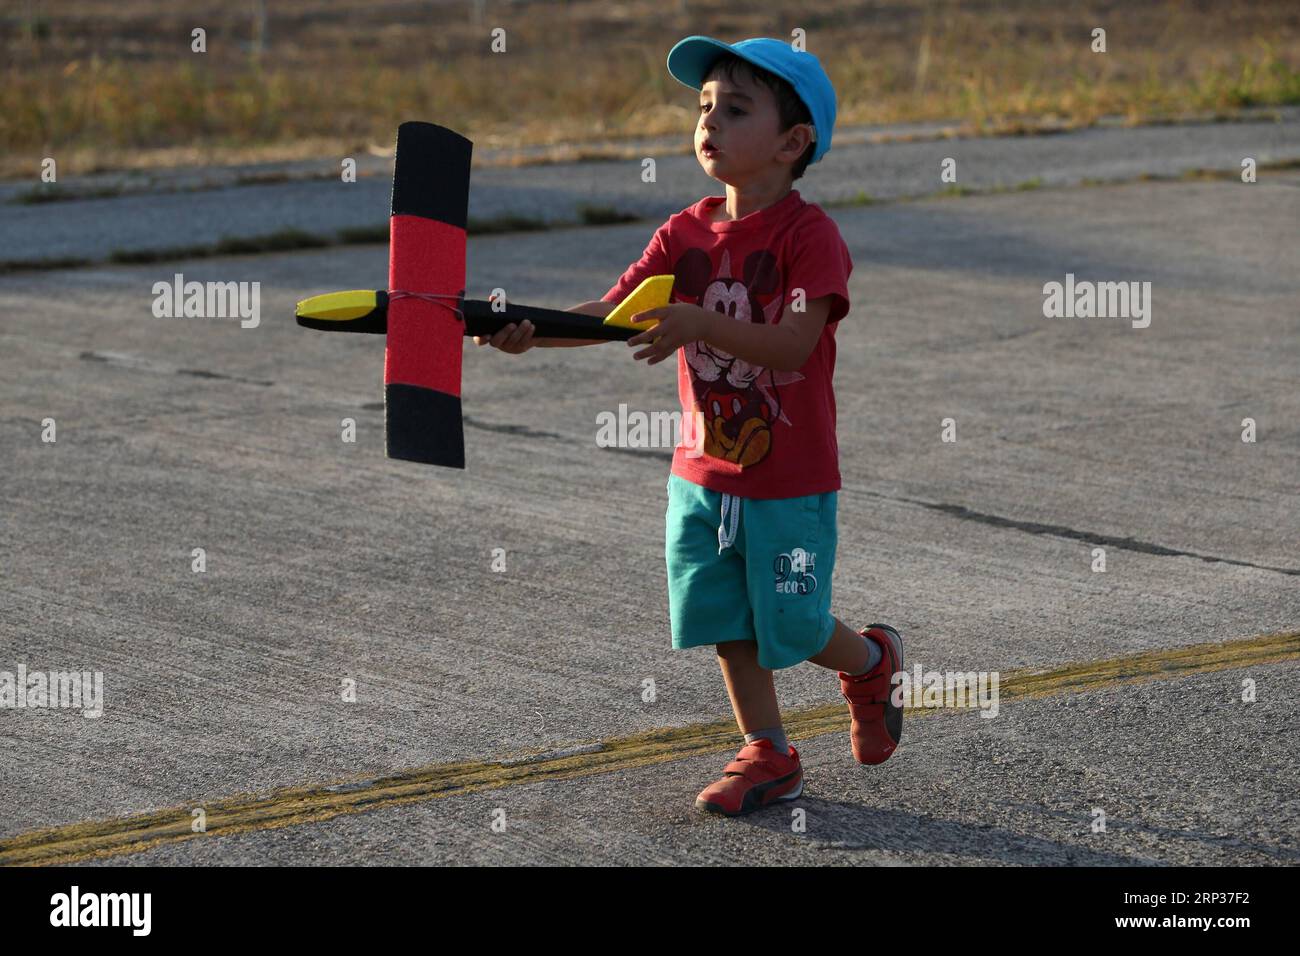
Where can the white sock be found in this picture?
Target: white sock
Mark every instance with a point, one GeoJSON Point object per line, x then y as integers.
{"type": "Point", "coordinates": [874, 653]}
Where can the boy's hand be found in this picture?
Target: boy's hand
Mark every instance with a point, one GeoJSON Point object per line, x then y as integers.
{"type": "Point", "coordinates": [513, 339]}
{"type": "Point", "coordinates": [679, 324]}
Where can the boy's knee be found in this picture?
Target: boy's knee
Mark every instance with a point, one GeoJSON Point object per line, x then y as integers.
{"type": "Point", "coordinates": [738, 650]}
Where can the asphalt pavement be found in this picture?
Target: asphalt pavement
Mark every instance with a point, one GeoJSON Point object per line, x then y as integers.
{"type": "Point", "coordinates": [329, 564]}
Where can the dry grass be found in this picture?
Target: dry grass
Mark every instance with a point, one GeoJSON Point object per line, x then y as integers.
{"type": "Point", "coordinates": [111, 85]}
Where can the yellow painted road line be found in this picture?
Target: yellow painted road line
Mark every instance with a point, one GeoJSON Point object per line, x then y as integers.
{"type": "Point", "coordinates": [312, 804]}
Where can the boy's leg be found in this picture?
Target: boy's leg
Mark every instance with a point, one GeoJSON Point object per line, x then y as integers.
{"type": "Point", "coordinates": [752, 692]}
{"type": "Point", "coordinates": [708, 604]}
{"type": "Point", "coordinates": [848, 651]}
{"type": "Point", "coordinates": [766, 769]}
{"type": "Point", "coordinates": [790, 559]}
{"type": "Point", "coordinates": [877, 717]}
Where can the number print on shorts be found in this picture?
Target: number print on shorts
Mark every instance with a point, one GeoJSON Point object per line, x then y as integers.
{"type": "Point", "coordinates": [794, 572]}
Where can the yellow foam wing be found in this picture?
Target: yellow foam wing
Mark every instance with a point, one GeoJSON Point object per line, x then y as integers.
{"type": "Point", "coordinates": [653, 293]}
{"type": "Point", "coordinates": [339, 306]}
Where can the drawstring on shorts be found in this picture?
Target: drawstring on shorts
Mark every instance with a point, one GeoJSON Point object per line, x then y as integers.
{"type": "Point", "coordinates": [727, 529]}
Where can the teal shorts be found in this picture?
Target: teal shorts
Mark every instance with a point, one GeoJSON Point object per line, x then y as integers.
{"type": "Point", "coordinates": [750, 569]}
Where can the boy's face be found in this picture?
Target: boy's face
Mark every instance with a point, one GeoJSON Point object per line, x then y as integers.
{"type": "Point", "coordinates": [738, 138]}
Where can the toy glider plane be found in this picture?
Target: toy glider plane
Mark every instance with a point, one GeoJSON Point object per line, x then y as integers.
{"type": "Point", "coordinates": [424, 312]}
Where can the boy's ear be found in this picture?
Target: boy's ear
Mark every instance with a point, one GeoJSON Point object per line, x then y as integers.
{"type": "Point", "coordinates": [797, 139]}
{"type": "Point", "coordinates": [804, 134]}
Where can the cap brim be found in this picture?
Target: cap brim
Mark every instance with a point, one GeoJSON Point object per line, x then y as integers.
{"type": "Point", "coordinates": [689, 59]}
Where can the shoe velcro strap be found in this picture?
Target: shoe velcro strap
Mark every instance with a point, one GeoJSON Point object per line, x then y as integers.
{"type": "Point", "coordinates": [741, 768]}
{"type": "Point", "coordinates": [751, 771]}
{"type": "Point", "coordinates": [868, 711]}
{"type": "Point", "coordinates": [876, 687]}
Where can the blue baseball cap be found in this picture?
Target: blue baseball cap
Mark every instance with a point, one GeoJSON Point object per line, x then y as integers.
{"type": "Point", "coordinates": [691, 58]}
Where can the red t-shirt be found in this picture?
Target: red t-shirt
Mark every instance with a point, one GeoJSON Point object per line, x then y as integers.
{"type": "Point", "coordinates": [767, 433]}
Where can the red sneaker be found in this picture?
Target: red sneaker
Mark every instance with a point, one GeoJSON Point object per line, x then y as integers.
{"type": "Point", "coordinates": [877, 723]}
{"type": "Point", "coordinates": [758, 776]}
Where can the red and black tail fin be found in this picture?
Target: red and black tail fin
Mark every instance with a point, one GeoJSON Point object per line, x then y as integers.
{"type": "Point", "coordinates": [422, 364]}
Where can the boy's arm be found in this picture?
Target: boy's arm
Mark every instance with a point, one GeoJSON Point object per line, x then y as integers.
{"type": "Point", "coordinates": [820, 266]}
{"type": "Point", "coordinates": [653, 262]}
{"type": "Point", "coordinates": [784, 346]}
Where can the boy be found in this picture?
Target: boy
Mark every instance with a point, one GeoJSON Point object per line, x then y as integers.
{"type": "Point", "coordinates": [761, 282]}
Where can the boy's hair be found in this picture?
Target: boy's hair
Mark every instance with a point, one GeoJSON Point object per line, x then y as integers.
{"type": "Point", "coordinates": [790, 108]}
